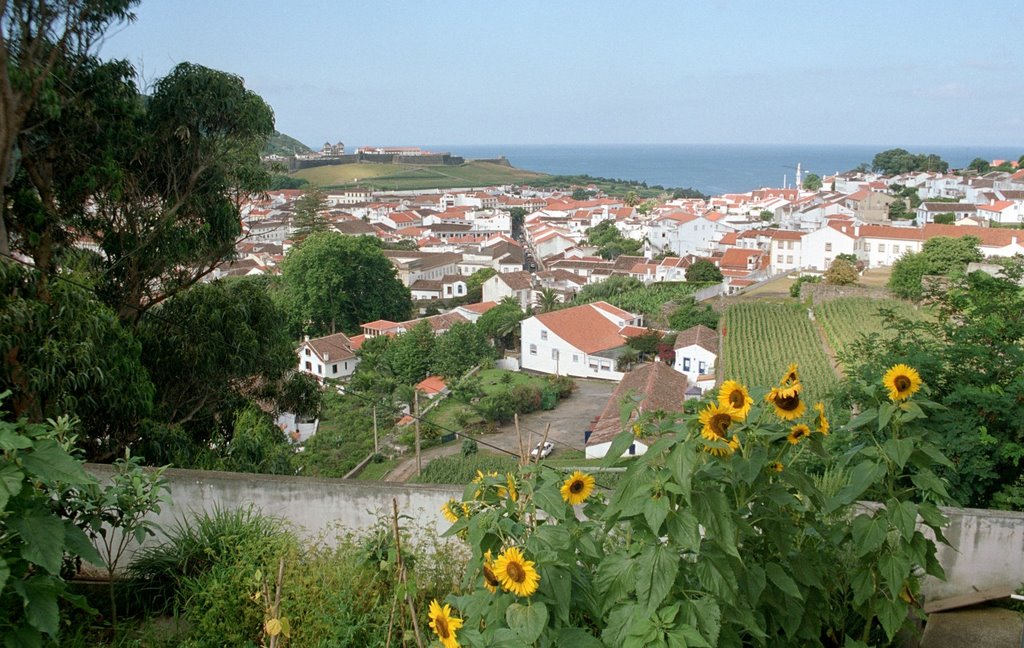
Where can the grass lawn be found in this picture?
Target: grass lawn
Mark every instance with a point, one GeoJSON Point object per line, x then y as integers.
{"type": "Point", "coordinates": [398, 177]}
{"type": "Point", "coordinates": [377, 471]}
{"type": "Point", "coordinates": [875, 277]}
{"type": "Point", "coordinates": [455, 415]}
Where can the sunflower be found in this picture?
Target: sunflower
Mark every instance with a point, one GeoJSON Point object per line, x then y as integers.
{"type": "Point", "coordinates": [798, 432]}
{"type": "Point", "coordinates": [513, 494]}
{"type": "Point", "coordinates": [902, 382]}
{"type": "Point", "coordinates": [516, 573]}
{"type": "Point", "coordinates": [451, 510]}
{"type": "Point", "coordinates": [444, 624]}
{"type": "Point", "coordinates": [716, 419]}
{"type": "Point", "coordinates": [491, 581]}
{"type": "Point", "coordinates": [479, 479]}
{"type": "Point", "coordinates": [820, 421]}
{"type": "Point", "coordinates": [735, 395]}
{"type": "Point", "coordinates": [577, 487]}
{"type": "Point", "coordinates": [786, 400]}
{"type": "Point", "coordinates": [731, 447]}
{"type": "Point", "coordinates": [791, 376]}
{"type": "Point", "coordinates": [776, 466]}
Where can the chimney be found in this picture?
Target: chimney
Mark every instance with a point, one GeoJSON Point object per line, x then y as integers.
{"type": "Point", "coordinates": [327, 356]}
{"type": "Point", "coordinates": [306, 338]}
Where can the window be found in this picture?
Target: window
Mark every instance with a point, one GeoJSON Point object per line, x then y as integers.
{"type": "Point", "coordinates": [778, 259]}
{"type": "Point", "coordinates": [789, 258]}
{"type": "Point", "coordinates": [307, 351]}
{"type": "Point", "coordinates": [702, 367]}
{"type": "Point", "coordinates": [309, 366]}
{"type": "Point", "coordinates": [346, 366]}
{"type": "Point", "coordinates": [828, 247]}
{"type": "Point", "coordinates": [686, 364]}
{"type": "Point", "coordinates": [334, 368]}
{"type": "Point", "coordinates": [895, 249]}
{"type": "Point", "coordinates": [881, 247]}
{"type": "Point", "coordinates": [543, 335]}
{"type": "Point", "coordinates": [867, 246]}
{"type": "Point", "coordinates": [554, 354]}
{"type": "Point", "coordinates": [575, 357]}
{"type": "Point", "coordinates": [533, 349]}
{"type": "Point", "coordinates": [319, 370]}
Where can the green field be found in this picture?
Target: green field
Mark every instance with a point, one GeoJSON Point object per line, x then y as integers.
{"type": "Point", "coordinates": [400, 177]}
{"type": "Point", "coordinates": [761, 340]}
{"type": "Point", "coordinates": [845, 320]}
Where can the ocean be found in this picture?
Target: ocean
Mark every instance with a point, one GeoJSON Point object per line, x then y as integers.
{"type": "Point", "coordinates": [712, 169]}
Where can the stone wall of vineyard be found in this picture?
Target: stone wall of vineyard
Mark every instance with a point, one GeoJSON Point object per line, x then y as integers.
{"type": "Point", "coordinates": [823, 292]}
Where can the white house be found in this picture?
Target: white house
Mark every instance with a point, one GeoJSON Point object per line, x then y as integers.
{"type": "Point", "coordinates": [883, 245]}
{"type": "Point", "coordinates": [696, 354]}
{"type": "Point", "coordinates": [510, 284]}
{"type": "Point", "coordinates": [326, 357]}
{"type": "Point", "coordinates": [447, 287]}
{"type": "Point", "coordinates": [682, 234]}
{"type": "Point", "coordinates": [652, 388]}
{"type": "Point", "coordinates": [823, 245]}
{"type": "Point", "coordinates": [584, 341]}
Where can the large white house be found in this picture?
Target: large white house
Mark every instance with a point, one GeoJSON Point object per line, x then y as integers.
{"type": "Point", "coordinates": [583, 341]}
{"type": "Point", "coordinates": [681, 233]}
{"type": "Point", "coordinates": [696, 354]}
{"type": "Point", "coordinates": [332, 356]}
{"type": "Point", "coordinates": [821, 246]}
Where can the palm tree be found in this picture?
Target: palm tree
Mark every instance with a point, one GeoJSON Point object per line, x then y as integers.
{"type": "Point", "coordinates": [631, 199]}
{"type": "Point", "coordinates": [547, 300]}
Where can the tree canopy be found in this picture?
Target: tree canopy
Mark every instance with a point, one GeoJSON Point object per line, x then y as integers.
{"type": "Point", "coordinates": [841, 273]}
{"type": "Point", "coordinates": [703, 270]}
{"type": "Point", "coordinates": [897, 160]}
{"type": "Point", "coordinates": [334, 282]}
{"type": "Point", "coordinates": [812, 182]}
{"type": "Point", "coordinates": [610, 241]}
{"type": "Point", "coordinates": [941, 256]}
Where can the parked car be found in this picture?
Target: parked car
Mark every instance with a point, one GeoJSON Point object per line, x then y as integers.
{"type": "Point", "coordinates": [543, 450]}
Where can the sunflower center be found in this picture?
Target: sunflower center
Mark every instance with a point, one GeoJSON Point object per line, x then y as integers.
{"type": "Point", "coordinates": [736, 399]}
{"type": "Point", "coordinates": [720, 423]}
{"type": "Point", "coordinates": [576, 486]}
{"type": "Point", "coordinates": [788, 403]}
{"type": "Point", "coordinates": [515, 572]}
{"type": "Point", "coordinates": [489, 576]}
{"type": "Point", "coordinates": [902, 383]}
{"type": "Point", "coordinates": [441, 626]}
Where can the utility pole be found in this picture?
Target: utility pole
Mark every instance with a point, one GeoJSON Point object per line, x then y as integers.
{"type": "Point", "coordinates": [376, 448]}
{"type": "Point", "coordinates": [416, 406]}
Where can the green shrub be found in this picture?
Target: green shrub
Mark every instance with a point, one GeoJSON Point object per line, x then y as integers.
{"type": "Point", "coordinates": [498, 407]}
{"type": "Point", "coordinates": [548, 398]}
{"type": "Point", "coordinates": [194, 547]}
{"type": "Point", "coordinates": [794, 290]}
{"type": "Point", "coordinates": [526, 398]}
{"type": "Point", "coordinates": [469, 447]}
{"type": "Point", "coordinates": [563, 385]}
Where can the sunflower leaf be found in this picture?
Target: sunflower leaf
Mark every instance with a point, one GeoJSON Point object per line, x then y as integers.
{"type": "Point", "coordinates": [898, 450]}
{"type": "Point", "coordinates": [868, 533]}
{"type": "Point", "coordinates": [681, 462]}
{"type": "Point", "coordinates": [684, 530]}
{"type": "Point", "coordinates": [655, 511]}
{"type": "Point", "coordinates": [778, 577]}
{"type": "Point", "coordinates": [527, 621]}
{"type": "Point", "coordinates": [903, 516]}
{"type": "Point", "coordinates": [655, 575]}
{"type": "Point", "coordinates": [619, 446]}
{"type": "Point", "coordinates": [885, 412]}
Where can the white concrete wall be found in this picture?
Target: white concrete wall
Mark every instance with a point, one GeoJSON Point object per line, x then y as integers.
{"type": "Point", "coordinates": [318, 508]}
{"type": "Point", "coordinates": [987, 547]}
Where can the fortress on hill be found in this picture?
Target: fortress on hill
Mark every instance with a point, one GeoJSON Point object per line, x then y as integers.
{"type": "Point", "coordinates": [332, 154]}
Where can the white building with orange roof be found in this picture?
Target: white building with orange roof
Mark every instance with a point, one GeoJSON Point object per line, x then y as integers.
{"type": "Point", "coordinates": [883, 245]}
{"type": "Point", "coordinates": [820, 247]}
{"type": "Point", "coordinates": [1002, 212]}
{"type": "Point", "coordinates": [682, 233]}
{"type": "Point", "coordinates": [584, 341]}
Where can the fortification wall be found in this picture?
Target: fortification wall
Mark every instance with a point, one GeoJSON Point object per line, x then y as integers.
{"type": "Point", "coordinates": [820, 292]}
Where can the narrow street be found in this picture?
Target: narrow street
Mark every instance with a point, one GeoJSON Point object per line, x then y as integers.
{"type": "Point", "coordinates": [568, 421]}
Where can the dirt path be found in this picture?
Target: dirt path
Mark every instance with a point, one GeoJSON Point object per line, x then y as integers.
{"type": "Point", "coordinates": [836, 366]}
{"type": "Point", "coordinates": [568, 421]}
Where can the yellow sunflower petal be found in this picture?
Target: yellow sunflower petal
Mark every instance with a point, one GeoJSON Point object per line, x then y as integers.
{"type": "Point", "coordinates": [735, 395]}
{"type": "Point", "coordinates": [517, 575]}
{"type": "Point", "coordinates": [902, 381]}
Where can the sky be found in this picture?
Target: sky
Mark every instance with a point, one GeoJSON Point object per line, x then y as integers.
{"type": "Point", "coordinates": [383, 72]}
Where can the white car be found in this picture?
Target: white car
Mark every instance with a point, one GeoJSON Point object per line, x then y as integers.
{"type": "Point", "coordinates": [543, 450]}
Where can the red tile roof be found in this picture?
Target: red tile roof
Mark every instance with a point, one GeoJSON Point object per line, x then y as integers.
{"type": "Point", "coordinates": [659, 387]}
{"type": "Point", "coordinates": [584, 327]}
{"type": "Point", "coordinates": [700, 335]}
{"type": "Point", "coordinates": [990, 236]}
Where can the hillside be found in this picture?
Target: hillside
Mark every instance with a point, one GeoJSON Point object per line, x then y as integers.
{"type": "Point", "coordinates": [397, 177]}
{"type": "Point", "coordinates": [281, 144]}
